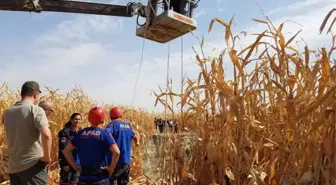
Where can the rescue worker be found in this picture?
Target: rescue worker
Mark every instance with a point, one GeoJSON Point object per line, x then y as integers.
{"type": "Point", "coordinates": [162, 125]}
{"type": "Point", "coordinates": [175, 125]}
{"type": "Point", "coordinates": [123, 133]}
{"type": "Point", "coordinates": [170, 124]}
{"type": "Point", "coordinates": [177, 6]}
{"type": "Point", "coordinates": [93, 144]}
{"type": "Point", "coordinates": [67, 173]}
{"type": "Point", "coordinates": [192, 6]}
{"type": "Point", "coordinates": [156, 123]}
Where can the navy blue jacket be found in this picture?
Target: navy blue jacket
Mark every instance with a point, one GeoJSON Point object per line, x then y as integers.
{"type": "Point", "coordinates": [64, 136]}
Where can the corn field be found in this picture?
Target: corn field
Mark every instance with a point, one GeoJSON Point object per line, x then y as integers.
{"type": "Point", "coordinates": [272, 125]}
{"type": "Point", "coordinates": [65, 105]}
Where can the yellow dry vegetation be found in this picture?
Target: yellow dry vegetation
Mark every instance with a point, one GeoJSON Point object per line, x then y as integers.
{"type": "Point", "coordinates": [271, 125]}
{"type": "Point", "coordinates": [66, 104]}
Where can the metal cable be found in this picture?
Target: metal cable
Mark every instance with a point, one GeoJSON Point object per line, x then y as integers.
{"type": "Point", "coordinates": [141, 60]}
{"type": "Point", "coordinates": [182, 81]}
{"type": "Point", "coordinates": [167, 82]}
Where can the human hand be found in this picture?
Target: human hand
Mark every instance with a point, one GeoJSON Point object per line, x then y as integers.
{"type": "Point", "coordinates": [46, 159]}
{"type": "Point", "coordinates": [77, 168]}
{"type": "Point", "coordinates": [109, 170]}
{"type": "Point", "coordinates": [66, 168]}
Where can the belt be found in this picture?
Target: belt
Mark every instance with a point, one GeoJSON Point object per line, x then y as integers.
{"type": "Point", "coordinates": [94, 171]}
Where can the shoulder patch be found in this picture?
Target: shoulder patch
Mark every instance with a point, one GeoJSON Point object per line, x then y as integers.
{"type": "Point", "coordinates": [63, 139]}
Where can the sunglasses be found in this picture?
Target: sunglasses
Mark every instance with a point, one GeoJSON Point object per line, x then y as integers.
{"type": "Point", "coordinates": [51, 110]}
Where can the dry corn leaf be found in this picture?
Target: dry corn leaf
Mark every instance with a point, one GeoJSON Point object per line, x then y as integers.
{"type": "Point", "coordinates": [269, 145]}
{"type": "Point", "coordinates": [326, 71]}
{"type": "Point", "coordinates": [282, 41]}
{"type": "Point", "coordinates": [291, 39]}
{"type": "Point", "coordinates": [260, 36]}
{"type": "Point", "coordinates": [234, 136]}
{"type": "Point", "coordinates": [260, 21]}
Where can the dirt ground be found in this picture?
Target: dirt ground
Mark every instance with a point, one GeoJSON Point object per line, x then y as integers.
{"type": "Point", "coordinates": [160, 150]}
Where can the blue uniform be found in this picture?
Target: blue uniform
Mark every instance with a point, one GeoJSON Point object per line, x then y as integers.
{"type": "Point", "coordinates": [123, 134]}
{"type": "Point", "coordinates": [64, 136]}
{"type": "Point", "coordinates": [93, 145]}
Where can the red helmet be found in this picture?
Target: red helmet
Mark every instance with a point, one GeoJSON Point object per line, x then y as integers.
{"type": "Point", "coordinates": [96, 116]}
{"type": "Point", "coordinates": [115, 113]}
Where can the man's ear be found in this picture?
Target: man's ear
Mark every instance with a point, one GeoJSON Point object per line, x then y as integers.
{"type": "Point", "coordinates": [36, 95]}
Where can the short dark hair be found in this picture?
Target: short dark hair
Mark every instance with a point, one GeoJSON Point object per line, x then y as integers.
{"type": "Point", "coordinates": [29, 88]}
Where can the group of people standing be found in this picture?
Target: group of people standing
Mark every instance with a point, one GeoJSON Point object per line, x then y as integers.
{"type": "Point", "coordinates": [92, 155]}
{"type": "Point", "coordinates": [160, 124]}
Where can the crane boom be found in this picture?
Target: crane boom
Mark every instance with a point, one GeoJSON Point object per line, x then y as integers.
{"type": "Point", "coordinates": [162, 28]}
{"type": "Point", "coordinates": [73, 7]}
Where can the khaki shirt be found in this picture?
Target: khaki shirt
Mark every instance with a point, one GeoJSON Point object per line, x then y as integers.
{"type": "Point", "coordinates": [22, 126]}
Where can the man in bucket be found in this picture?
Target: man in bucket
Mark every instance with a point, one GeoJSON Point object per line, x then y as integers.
{"type": "Point", "coordinates": [93, 145]}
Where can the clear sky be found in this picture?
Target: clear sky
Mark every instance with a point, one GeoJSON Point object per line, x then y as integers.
{"type": "Point", "coordinates": [102, 54]}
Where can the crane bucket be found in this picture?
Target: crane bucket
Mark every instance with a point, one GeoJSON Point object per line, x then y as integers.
{"type": "Point", "coordinates": [166, 27]}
